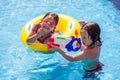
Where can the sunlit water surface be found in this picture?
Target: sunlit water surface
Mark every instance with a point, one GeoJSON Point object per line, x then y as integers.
{"type": "Point", "coordinates": [20, 63]}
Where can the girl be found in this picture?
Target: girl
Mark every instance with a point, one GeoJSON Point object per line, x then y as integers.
{"type": "Point", "coordinates": [90, 36]}
{"type": "Point", "coordinates": [43, 30]}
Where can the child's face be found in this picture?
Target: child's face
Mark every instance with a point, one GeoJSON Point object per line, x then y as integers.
{"type": "Point", "coordinates": [48, 23]}
{"type": "Point", "coordinates": [86, 39]}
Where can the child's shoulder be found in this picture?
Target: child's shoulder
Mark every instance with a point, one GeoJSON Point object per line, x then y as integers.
{"type": "Point", "coordinates": [90, 50]}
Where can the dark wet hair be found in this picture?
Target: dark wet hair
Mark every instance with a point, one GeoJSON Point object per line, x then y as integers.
{"type": "Point", "coordinates": [93, 30]}
{"type": "Point", "coordinates": [56, 18]}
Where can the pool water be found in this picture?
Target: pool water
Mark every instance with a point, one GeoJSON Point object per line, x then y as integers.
{"type": "Point", "coordinates": [20, 63]}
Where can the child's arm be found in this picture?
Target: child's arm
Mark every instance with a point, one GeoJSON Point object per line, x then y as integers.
{"type": "Point", "coordinates": [69, 57]}
{"type": "Point", "coordinates": [34, 34]}
{"type": "Point", "coordinates": [81, 46]}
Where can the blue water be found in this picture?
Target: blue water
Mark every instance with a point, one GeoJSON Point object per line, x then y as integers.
{"type": "Point", "coordinates": [20, 63]}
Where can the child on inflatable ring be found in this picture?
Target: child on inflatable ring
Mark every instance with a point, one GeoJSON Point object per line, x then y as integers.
{"type": "Point", "coordinates": [43, 30]}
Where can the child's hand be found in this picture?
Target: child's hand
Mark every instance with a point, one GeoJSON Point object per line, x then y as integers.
{"type": "Point", "coordinates": [78, 45]}
{"type": "Point", "coordinates": [45, 28]}
{"type": "Point", "coordinates": [82, 47]}
{"type": "Point", "coordinates": [56, 48]}
{"type": "Point", "coordinates": [40, 32]}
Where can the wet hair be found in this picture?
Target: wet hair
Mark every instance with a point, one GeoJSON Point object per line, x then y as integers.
{"type": "Point", "coordinates": [93, 30]}
{"type": "Point", "coordinates": [54, 15]}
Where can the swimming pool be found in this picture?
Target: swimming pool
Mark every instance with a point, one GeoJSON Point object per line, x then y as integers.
{"type": "Point", "coordinates": [20, 63]}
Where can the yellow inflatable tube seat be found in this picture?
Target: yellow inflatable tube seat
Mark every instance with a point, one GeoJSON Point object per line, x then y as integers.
{"type": "Point", "coordinates": [67, 25]}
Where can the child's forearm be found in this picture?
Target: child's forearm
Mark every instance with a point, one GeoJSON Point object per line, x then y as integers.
{"type": "Point", "coordinates": [66, 55]}
{"type": "Point", "coordinates": [32, 39]}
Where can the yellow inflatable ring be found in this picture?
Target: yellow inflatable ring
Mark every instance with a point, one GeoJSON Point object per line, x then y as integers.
{"type": "Point", "coordinates": [66, 24]}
